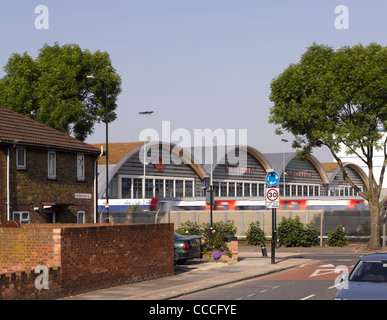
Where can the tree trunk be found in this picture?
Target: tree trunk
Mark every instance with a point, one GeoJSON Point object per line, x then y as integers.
{"type": "Point", "coordinates": [374, 243]}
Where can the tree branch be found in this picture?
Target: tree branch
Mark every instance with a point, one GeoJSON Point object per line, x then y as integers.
{"type": "Point", "coordinates": [347, 178]}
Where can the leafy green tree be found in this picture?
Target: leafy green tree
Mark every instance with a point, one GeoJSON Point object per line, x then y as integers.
{"type": "Point", "coordinates": [338, 99]}
{"type": "Point", "coordinates": [53, 88]}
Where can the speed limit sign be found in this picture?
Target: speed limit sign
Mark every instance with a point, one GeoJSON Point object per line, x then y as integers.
{"type": "Point", "coordinates": [272, 198]}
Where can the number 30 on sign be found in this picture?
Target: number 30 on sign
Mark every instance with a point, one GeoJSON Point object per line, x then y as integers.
{"type": "Point", "coordinates": [272, 198]}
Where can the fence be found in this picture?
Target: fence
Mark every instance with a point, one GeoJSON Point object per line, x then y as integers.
{"type": "Point", "coordinates": [356, 223]}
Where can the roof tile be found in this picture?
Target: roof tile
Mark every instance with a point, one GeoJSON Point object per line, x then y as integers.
{"type": "Point", "coordinates": [16, 128]}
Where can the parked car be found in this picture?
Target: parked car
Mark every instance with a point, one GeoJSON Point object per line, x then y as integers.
{"type": "Point", "coordinates": [188, 247]}
{"type": "Point", "coordinates": [367, 280]}
{"type": "Point", "coordinates": [175, 257]}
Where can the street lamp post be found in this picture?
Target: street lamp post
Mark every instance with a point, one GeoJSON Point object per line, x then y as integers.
{"type": "Point", "coordinates": [91, 77]}
{"type": "Point", "coordinates": [145, 113]}
{"type": "Point", "coordinates": [283, 162]}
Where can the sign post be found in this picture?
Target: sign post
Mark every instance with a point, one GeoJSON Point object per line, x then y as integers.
{"type": "Point", "coordinates": [273, 234]}
{"type": "Point", "coordinates": [273, 202]}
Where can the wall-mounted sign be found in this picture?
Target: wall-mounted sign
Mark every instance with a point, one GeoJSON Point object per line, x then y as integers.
{"type": "Point", "coordinates": [239, 170]}
{"type": "Point", "coordinates": [83, 196]}
{"type": "Point", "coordinates": [304, 174]}
{"type": "Point", "coordinates": [159, 162]}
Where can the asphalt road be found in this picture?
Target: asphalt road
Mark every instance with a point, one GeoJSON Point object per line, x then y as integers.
{"type": "Point", "coordinates": [311, 281]}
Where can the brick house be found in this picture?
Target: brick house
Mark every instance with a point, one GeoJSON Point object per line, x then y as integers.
{"type": "Point", "coordinates": [45, 175]}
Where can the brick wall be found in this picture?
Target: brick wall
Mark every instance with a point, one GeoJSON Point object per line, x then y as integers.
{"type": "Point", "coordinates": [87, 257]}
{"type": "Point", "coordinates": [23, 248]}
{"type": "Point", "coordinates": [20, 285]}
{"type": "Point", "coordinates": [233, 247]}
{"type": "Point", "coordinates": [3, 183]}
{"type": "Point", "coordinates": [31, 187]}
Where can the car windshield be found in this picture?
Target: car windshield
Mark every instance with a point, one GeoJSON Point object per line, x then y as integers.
{"type": "Point", "coordinates": [370, 271]}
{"type": "Point", "coordinates": [179, 236]}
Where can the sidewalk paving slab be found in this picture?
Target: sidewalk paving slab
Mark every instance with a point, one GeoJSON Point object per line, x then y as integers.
{"type": "Point", "coordinates": [198, 275]}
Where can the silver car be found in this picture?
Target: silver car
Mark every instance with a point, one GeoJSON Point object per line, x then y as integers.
{"type": "Point", "coordinates": [367, 280]}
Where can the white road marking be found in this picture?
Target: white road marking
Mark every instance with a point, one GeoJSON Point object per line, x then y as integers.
{"type": "Point", "coordinates": [344, 260]}
{"type": "Point", "coordinates": [336, 285]}
{"type": "Point", "coordinates": [326, 266]}
{"type": "Point", "coordinates": [308, 297]}
{"type": "Point", "coordinates": [262, 291]}
{"type": "Point", "coordinates": [322, 272]}
{"type": "Point", "coordinates": [275, 287]}
{"type": "Point", "coordinates": [250, 295]}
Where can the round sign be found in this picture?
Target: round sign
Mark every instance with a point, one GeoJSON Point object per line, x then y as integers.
{"type": "Point", "coordinates": [159, 163]}
{"type": "Point", "coordinates": [272, 178]}
{"type": "Point", "coordinates": [272, 194]}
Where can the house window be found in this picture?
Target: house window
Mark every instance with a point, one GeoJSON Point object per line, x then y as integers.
{"type": "Point", "coordinates": [223, 189]}
{"type": "Point", "coordinates": [20, 158]}
{"type": "Point", "coordinates": [22, 216]}
{"type": "Point", "coordinates": [179, 192]}
{"type": "Point", "coordinates": [169, 188]}
{"type": "Point", "coordinates": [231, 189]}
{"type": "Point", "coordinates": [127, 188]}
{"type": "Point", "coordinates": [137, 188]}
{"type": "Point", "coordinates": [51, 164]}
{"type": "Point", "coordinates": [80, 167]}
{"type": "Point", "coordinates": [246, 189]}
{"type": "Point", "coordinates": [155, 187]}
{"type": "Point", "coordinates": [294, 190]}
{"type": "Point", "coordinates": [254, 190]}
{"type": "Point", "coordinates": [159, 188]}
{"type": "Point", "coordinates": [239, 188]}
{"type": "Point", "coordinates": [261, 190]}
{"type": "Point", "coordinates": [81, 217]}
{"type": "Point", "coordinates": [148, 188]}
{"type": "Point", "coordinates": [287, 190]}
{"type": "Point", "coordinates": [189, 189]}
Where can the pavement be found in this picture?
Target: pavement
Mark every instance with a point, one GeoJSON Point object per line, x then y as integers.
{"type": "Point", "coordinates": [197, 275]}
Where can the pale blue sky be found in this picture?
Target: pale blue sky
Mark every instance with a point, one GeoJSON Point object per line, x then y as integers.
{"type": "Point", "coordinates": [197, 63]}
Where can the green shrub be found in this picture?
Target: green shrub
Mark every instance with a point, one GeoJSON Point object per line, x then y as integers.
{"type": "Point", "coordinates": [212, 238]}
{"type": "Point", "coordinates": [189, 228]}
{"type": "Point", "coordinates": [310, 236]}
{"type": "Point", "coordinates": [135, 207]}
{"type": "Point", "coordinates": [337, 237]}
{"type": "Point", "coordinates": [227, 228]}
{"type": "Point", "coordinates": [292, 233]}
{"type": "Point", "coordinates": [255, 235]}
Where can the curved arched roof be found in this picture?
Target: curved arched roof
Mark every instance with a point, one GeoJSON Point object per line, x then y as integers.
{"type": "Point", "coordinates": [120, 153]}
{"type": "Point", "coordinates": [135, 150]}
{"type": "Point", "coordinates": [335, 169]}
{"type": "Point", "coordinates": [250, 150]}
{"type": "Point", "coordinates": [319, 167]}
{"type": "Point", "coordinates": [279, 160]}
